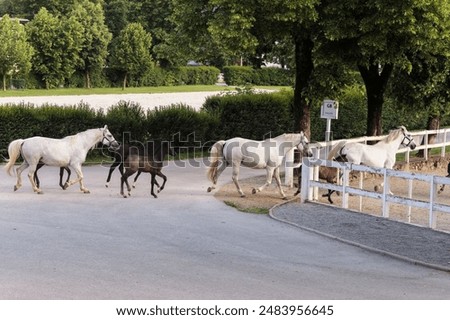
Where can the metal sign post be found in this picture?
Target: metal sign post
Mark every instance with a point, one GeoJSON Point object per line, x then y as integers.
{"type": "Point", "coordinates": [329, 110]}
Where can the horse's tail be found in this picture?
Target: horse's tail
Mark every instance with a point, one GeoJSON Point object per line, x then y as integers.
{"type": "Point", "coordinates": [14, 149]}
{"type": "Point", "coordinates": [215, 156]}
{"type": "Point", "coordinates": [336, 151]}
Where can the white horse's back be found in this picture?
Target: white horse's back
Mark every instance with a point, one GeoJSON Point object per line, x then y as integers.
{"type": "Point", "coordinates": [52, 152]}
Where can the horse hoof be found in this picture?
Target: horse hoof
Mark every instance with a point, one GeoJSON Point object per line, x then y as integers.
{"type": "Point", "coordinates": [66, 185]}
{"type": "Point", "coordinates": [209, 189]}
{"type": "Point", "coordinates": [39, 192]}
{"type": "Point", "coordinates": [253, 191]}
{"type": "Point", "coordinates": [242, 195]}
{"type": "Point", "coordinates": [106, 185]}
{"type": "Point", "coordinates": [285, 198]}
{"type": "Point", "coordinates": [86, 191]}
{"type": "Point", "coordinates": [376, 188]}
{"type": "Point", "coordinates": [15, 188]}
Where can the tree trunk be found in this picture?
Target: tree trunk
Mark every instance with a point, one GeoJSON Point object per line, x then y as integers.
{"type": "Point", "coordinates": [303, 70]}
{"type": "Point", "coordinates": [433, 123]}
{"type": "Point", "coordinates": [124, 85]}
{"type": "Point", "coordinates": [4, 82]}
{"type": "Point", "coordinates": [375, 81]}
{"type": "Point", "coordinates": [87, 79]}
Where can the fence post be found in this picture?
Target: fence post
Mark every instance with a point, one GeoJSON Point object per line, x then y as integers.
{"type": "Point", "coordinates": [289, 169]}
{"type": "Point", "coordinates": [386, 190]}
{"type": "Point", "coordinates": [432, 215]}
{"type": "Point", "coordinates": [345, 182]}
{"type": "Point", "coordinates": [306, 176]}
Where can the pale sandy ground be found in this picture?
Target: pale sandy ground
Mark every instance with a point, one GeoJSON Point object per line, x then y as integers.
{"type": "Point", "coordinates": [96, 101]}
{"type": "Point", "coordinates": [270, 197]}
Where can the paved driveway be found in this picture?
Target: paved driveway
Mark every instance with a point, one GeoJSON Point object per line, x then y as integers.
{"type": "Point", "coordinates": [183, 245]}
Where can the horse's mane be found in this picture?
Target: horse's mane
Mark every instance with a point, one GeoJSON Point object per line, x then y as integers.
{"type": "Point", "coordinates": [394, 134]}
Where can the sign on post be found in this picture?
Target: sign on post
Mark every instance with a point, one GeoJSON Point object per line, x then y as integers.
{"type": "Point", "coordinates": [329, 109]}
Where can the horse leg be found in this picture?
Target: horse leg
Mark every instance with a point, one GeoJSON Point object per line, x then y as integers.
{"type": "Point", "coordinates": [135, 178]}
{"type": "Point", "coordinates": [124, 179]}
{"type": "Point", "coordinates": [153, 180]}
{"type": "Point", "coordinates": [111, 169]}
{"type": "Point", "coordinates": [36, 178]}
{"type": "Point", "coordinates": [235, 178]}
{"type": "Point", "coordinates": [61, 174]}
{"type": "Point", "coordinates": [31, 174]}
{"type": "Point", "coordinates": [79, 179]}
{"type": "Point", "coordinates": [19, 170]}
{"type": "Point", "coordinates": [269, 175]}
{"type": "Point", "coordinates": [278, 181]}
{"type": "Point", "coordinates": [443, 186]}
{"type": "Point", "coordinates": [328, 195]}
{"type": "Point", "coordinates": [220, 169]}
{"type": "Point", "coordinates": [163, 176]}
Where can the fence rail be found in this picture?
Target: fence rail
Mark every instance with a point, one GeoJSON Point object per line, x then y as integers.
{"type": "Point", "coordinates": [310, 184]}
{"type": "Point", "coordinates": [321, 149]}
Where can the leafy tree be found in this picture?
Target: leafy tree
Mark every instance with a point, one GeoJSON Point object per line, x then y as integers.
{"type": "Point", "coordinates": [15, 52]}
{"type": "Point", "coordinates": [130, 52]}
{"type": "Point", "coordinates": [57, 44]}
{"type": "Point", "coordinates": [95, 38]}
{"type": "Point", "coordinates": [379, 36]}
{"type": "Point", "coordinates": [117, 15]}
{"type": "Point", "coordinates": [243, 28]}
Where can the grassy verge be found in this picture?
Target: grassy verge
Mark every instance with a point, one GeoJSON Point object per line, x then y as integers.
{"type": "Point", "coordinates": [256, 210]}
{"type": "Point", "coordinates": [138, 90]}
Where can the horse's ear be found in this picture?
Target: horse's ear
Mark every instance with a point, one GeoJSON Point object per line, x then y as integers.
{"type": "Point", "coordinates": [105, 127]}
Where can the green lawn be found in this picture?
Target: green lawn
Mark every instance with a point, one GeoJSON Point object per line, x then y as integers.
{"type": "Point", "coordinates": [80, 91]}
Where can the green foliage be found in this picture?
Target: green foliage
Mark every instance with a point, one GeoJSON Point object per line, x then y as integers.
{"type": "Point", "coordinates": [95, 38]}
{"type": "Point", "coordinates": [182, 125]}
{"type": "Point", "coordinates": [237, 76]}
{"type": "Point", "coordinates": [56, 44]}
{"type": "Point", "coordinates": [126, 121]}
{"type": "Point", "coordinates": [24, 120]}
{"type": "Point", "coordinates": [252, 116]}
{"type": "Point", "coordinates": [130, 53]}
{"type": "Point", "coordinates": [15, 52]}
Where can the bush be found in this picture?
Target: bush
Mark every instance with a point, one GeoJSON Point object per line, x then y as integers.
{"type": "Point", "coordinates": [126, 121]}
{"type": "Point", "coordinates": [23, 121]}
{"type": "Point", "coordinates": [238, 76]}
{"type": "Point", "coordinates": [182, 125]}
{"type": "Point", "coordinates": [252, 116]}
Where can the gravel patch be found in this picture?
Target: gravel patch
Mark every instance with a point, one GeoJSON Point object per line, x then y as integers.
{"type": "Point", "coordinates": [147, 101]}
{"type": "Point", "coordinates": [408, 242]}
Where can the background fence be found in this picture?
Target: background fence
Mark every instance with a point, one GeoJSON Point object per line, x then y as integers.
{"type": "Point", "coordinates": [310, 182]}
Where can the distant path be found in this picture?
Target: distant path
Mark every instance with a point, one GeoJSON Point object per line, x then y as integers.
{"type": "Point", "coordinates": [98, 101]}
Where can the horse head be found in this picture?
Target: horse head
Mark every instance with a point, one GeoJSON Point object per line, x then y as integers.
{"type": "Point", "coordinates": [108, 139]}
{"type": "Point", "coordinates": [303, 146]}
{"type": "Point", "coordinates": [408, 140]}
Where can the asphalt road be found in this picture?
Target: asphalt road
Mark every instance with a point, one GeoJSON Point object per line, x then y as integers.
{"type": "Point", "coordinates": [183, 245]}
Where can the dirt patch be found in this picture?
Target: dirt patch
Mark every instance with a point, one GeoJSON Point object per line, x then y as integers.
{"type": "Point", "coordinates": [263, 201]}
{"type": "Point", "coordinates": [260, 202]}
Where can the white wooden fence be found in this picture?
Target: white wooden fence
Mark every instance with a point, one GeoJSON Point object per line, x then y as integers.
{"type": "Point", "coordinates": [310, 184]}
{"type": "Point", "coordinates": [321, 149]}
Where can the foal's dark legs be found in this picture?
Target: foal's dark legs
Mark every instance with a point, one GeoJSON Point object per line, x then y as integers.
{"type": "Point", "coordinates": [117, 162]}
{"type": "Point", "coordinates": [124, 179]}
{"type": "Point", "coordinates": [61, 174]}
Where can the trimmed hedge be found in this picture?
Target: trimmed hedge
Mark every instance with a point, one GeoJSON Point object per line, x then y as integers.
{"type": "Point", "coordinates": [252, 116]}
{"type": "Point", "coordinates": [238, 76]}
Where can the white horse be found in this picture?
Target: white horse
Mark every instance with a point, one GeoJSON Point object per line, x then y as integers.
{"type": "Point", "coordinates": [69, 151]}
{"type": "Point", "coordinates": [382, 154]}
{"type": "Point", "coordinates": [267, 154]}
